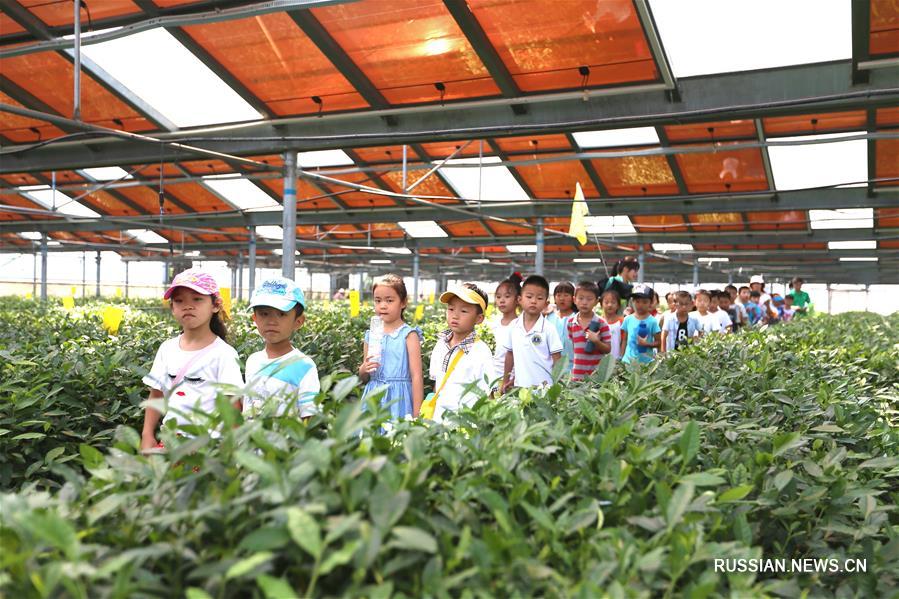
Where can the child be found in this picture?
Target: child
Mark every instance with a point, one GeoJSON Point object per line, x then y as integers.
{"type": "Point", "coordinates": [743, 295]}
{"type": "Point", "coordinates": [579, 330]}
{"type": "Point", "coordinates": [718, 307]}
{"type": "Point", "coordinates": [670, 308]}
{"type": "Point", "coordinates": [681, 328]}
{"type": "Point", "coordinates": [639, 330]}
{"type": "Point", "coordinates": [624, 273]}
{"type": "Point", "coordinates": [802, 303]}
{"type": "Point", "coordinates": [399, 365]}
{"type": "Point", "coordinates": [460, 363]}
{"type": "Point", "coordinates": [563, 296]}
{"type": "Point", "coordinates": [777, 303]}
{"type": "Point", "coordinates": [709, 321]}
{"type": "Point", "coordinates": [788, 312]}
{"type": "Point", "coordinates": [506, 301]}
{"type": "Point", "coordinates": [188, 368]}
{"type": "Point", "coordinates": [280, 370]}
{"type": "Point", "coordinates": [754, 310]}
{"type": "Point", "coordinates": [532, 344]}
{"type": "Point", "coordinates": [611, 307]}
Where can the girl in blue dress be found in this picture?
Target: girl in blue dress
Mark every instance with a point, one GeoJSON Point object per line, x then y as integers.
{"type": "Point", "coordinates": [399, 365]}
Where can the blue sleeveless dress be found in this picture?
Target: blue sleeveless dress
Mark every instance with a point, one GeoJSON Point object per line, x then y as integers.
{"type": "Point", "coordinates": [394, 372]}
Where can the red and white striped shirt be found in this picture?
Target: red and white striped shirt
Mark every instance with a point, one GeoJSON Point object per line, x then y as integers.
{"type": "Point", "coordinates": [585, 363]}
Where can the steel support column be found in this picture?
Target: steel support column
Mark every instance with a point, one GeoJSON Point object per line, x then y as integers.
{"type": "Point", "coordinates": [34, 275]}
{"type": "Point", "coordinates": [289, 223]}
{"type": "Point", "coordinates": [415, 275]}
{"type": "Point", "coordinates": [251, 262]}
{"type": "Point", "coordinates": [695, 273]}
{"type": "Point", "coordinates": [76, 97]}
{"type": "Point", "coordinates": [83, 274]}
{"type": "Point", "coordinates": [98, 273]}
{"type": "Point", "coordinates": [43, 267]}
{"type": "Point", "coordinates": [127, 264]}
{"type": "Point", "coordinates": [541, 243]}
{"type": "Point", "coordinates": [240, 275]}
{"type": "Point", "coordinates": [641, 274]}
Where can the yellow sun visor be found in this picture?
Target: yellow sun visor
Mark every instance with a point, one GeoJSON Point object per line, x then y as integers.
{"type": "Point", "coordinates": [465, 294]}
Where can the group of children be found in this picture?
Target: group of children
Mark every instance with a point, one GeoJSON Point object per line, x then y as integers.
{"type": "Point", "coordinates": [531, 336]}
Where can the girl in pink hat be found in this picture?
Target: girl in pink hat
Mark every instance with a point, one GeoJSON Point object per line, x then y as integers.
{"type": "Point", "coordinates": [189, 369]}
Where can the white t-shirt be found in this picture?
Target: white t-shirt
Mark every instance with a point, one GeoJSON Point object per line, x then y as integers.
{"type": "Point", "coordinates": [499, 331]}
{"type": "Point", "coordinates": [476, 366]}
{"type": "Point", "coordinates": [672, 325]}
{"type": "Point", "coordinates": [294, 374]}
{"type": "Point", "coordinates": [724, 319]}
{"type": "Point", "coordinates": [615, 331]}
{"type": "Point", "coordinates": [214, 365]}
{"type": "Point", "coordinates": [532, 350]}
{"type": "Point", "coordinates": [710, 323]}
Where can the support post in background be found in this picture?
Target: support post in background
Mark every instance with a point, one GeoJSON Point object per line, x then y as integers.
{"type": "Point", "coordinates": [541, 243]}
{"type": "Point", "coordinates": [730, 278]}
{"type": "Point", "coordinates": [127, 264]}
{"type": "Point", "coordinates": [43, 267]}
{"type": "Point", "coordinates": [251, 262]}
{"type": "Point", "coordinates": [695, 273]}
{"type": "Point", "coordinates": [233, 281]}
{"type": "Point", "coordinates": [239, 275]}
{"type": "Point", "coordinates": [289, 221]}
{"type": "Point", "coordinates": [98, 269]}
{"type": "Point", "coordinates": [34, 275]}
{"type": "Point", "coordinates": [76, 95]}
{"type": "Point", "coordinates": [641, 274]}
{"type": "Point", "coordinates": [829, 297]}
{"type": "Point", "coordinates": [83, 274]}
{"type": "Point", "coordinates": [165, 273]}
{"type": "Point", "coordinates": [867, 297]}
{"type": "Point", "coordinates": [415, 275]}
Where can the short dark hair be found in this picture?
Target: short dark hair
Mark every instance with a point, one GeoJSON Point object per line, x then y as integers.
{"type": "Point", "coordinates": [683, 295]}
{"type": "Point", "coordinates": [589, 287]}
{"type": "Point", "coordinates": [611, 292]}
{"type": "Point", "coordinates": [537, 280]}
{"type": "Point", "coordinates": [704, 292]}
{"type": "Point", "coordinates": [755, 294]}
{"type": "Point", "coordinates": [798, 280]}
{"type": "Point", "coordinates": [734, 287]}
{"type": "Point", "coordinates": [480, 292]}
{"type": "Point", "coordinates": [744, 287]}
{"type": "Point", "coordinates": [564, 287]}
{"type": "Point", "coordinates": [513, 283]}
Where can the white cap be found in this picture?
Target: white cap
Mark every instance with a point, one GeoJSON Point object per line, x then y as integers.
{"type": "Point", "coordinates": [757, 279]}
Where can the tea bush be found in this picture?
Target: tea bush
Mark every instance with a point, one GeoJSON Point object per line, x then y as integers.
{"type": "Point", "coordinates": [782, 444]}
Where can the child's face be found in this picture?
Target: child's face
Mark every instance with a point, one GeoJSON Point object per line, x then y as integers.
{"type": "Point", "coordinates": [610, 305]}
{"type": "Point", "coordinates": [755, 298]}
{"type": "Point", "coordinates": [732, 294]}
{"type": "Point", "coordinates": [713, 303]}
{"type": "Point", "coordinates": [193, 310]}
{"type": "Point", "coordinates": [564, 301]}
{"type": "Point", "coordinates": [724, 302]}
{"type": "Point", "coordinates": [683, 306]}
{"type": "Point", "coordinates": [642, 305]}
{"type": "Point", "coordinates": [789, 301]}
{"type": "Point", "coordinates": [585, 301]}
{"type": "Point", "coordinates": [744, 296]}
{"type": "Point", "coordinates": [388, 304]}
{"type": "Point", "coordinates": [671, 302]}
{"type": "Point", "coordinates": [629, 274]}
{"type": "Point", "coordinates": [797, 285]}
{"type": "Point", "coordinates": [462, 317]}
{"type": "Point", "coordinates": [506, 301]}
{"type": "Point", "coordinates": [276, 326]}
{"type": "Point", "coordinates": [702, 302]}
{"type": "Point", "coordinates": [533, 300]}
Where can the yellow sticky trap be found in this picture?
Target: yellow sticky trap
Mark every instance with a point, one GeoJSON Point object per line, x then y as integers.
{"type": "Point", "coordinates": [489, 310]}
{"type": "Point", "coordinates": [431, 298]}
{"type": "Point", "coordinates": [225, 293]}
{"type": "Point", "coordinates": [68, 302]}
{"type": "Point", "coordinates": [354, 303]}
{"type": "Point", "coordinates": [74, 291]}
{"type": "Point", "coordinates": [419, 312]}
{"type": "Point", "coordinates": [28, 295]}
{"type": "Point", "coordinates": [112, 318]}
{"type": "Point", "coordinates": [118, 292]}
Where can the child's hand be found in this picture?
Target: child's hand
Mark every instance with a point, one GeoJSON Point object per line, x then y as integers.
{"type": "Point", "coordinates": [592, 336]}
{"type": "Point", "coordinates": [507, 385]}
{"type": "Point", "coordinates": [642, 342]}
{"type": "Point", "coordinates": [368, 367]}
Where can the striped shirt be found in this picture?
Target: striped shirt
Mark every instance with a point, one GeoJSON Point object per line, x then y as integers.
{"type": "Point", "coordinates": [585, 363]}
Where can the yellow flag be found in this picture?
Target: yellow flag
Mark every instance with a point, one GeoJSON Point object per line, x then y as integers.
{"type": "Point", "coordinates": [579, 210]}
{"type": "Point", "coordinates": [354, 303]}
{"type": "Point", "coordinates": [419, 312]}
{"type": "Point", "coordinates": [74, 291]}
{"type": "Point", "coordinates": [68, 302]}
{"type": "Point", "coordinates": [28, 295]}
{"type": "Point", "coordinates": [431, 298]}
{"type": "Point", "coordinates": [112, 318]}
{"type": "Point", "coordinates": [489, 311]}
{"type": "Point", "coordinates": [118, 292]}
{"type": "Point", "coordinates": [225, 292]}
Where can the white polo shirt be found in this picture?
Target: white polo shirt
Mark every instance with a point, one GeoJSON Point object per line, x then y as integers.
{"type": "Point", "coordinates": [470, 378]}
{"type": "Point", "coordinates": [532, 351]}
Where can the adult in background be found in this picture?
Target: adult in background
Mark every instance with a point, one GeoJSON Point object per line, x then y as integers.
{"type": "Point", "coordinates": [801, 300]}
{"type": "Point", "coordinates": [757, 283]}
{"type": "Point", "coordinates": [621, 280]}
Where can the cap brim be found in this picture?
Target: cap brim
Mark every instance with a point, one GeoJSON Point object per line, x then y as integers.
{"type": "Point", "coordinates": [446, 296]}
{"type": "Point", "coordinates": [277, 302]}
{"type": "Point", "coordinates": [168, 292]}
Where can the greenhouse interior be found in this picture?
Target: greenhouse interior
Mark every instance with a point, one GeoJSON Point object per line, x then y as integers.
{"type": "Point", "coordinates": [603, 170]}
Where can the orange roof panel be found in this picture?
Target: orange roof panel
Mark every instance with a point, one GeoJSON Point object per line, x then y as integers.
{"type": "Point", "coordinates": [405, 47]}
{"type": "Point", "coordinates": [815, 123]}
{"type": "Point", "coordinates": [21, 129]}
{"type": "Point", "coordinates": [198, 197]}
{"type": "Point", "coordinates": [533, 144]}
{"type": "Point", "coordinates": [8, 25]}
{"type": "Point", "coordinates": [57, 14]}
{"type": "Point", "coordinates": [723, 171]}
{"type": "Point", "coordinates": [502, 228]}
{"type": "Point", "coordinates": [148, 199]}
{"type": "Point", "coordinates": [392, 154]}
{"type": "Point", "coordinates": [659, 223]}
{"type": "Point", "coordinates": [432, 186]}
{"type": "Point", "coordinates": [275, 60]}
{"type": "Point", "coordinates": [884, 27]}
{"type": "Point", "coordinates": [441, 149]}
{"type": "Point", "coordinates": [543, 43]}
{"type": "Point", "coordinates": [717, 221]}
{"type": "Point", "coordinates": [774, 220]}
{"type": "Point", "coordinates": [305, 194]}
{"type": "Point", "coordinates": [636, 175]}
{"type": "Point", "coordinates": [888, 116]}
{"type": "Point", "coordinates": [716, 131]}
{"type": "Point", "coordinates": [887, 166]}
{"type": "Point", "coordinates": [887, 218]}
{"type": "Point", "coordinates": [468, 228]}
{"type": "Point", "coordinates": [555, 180]}
{"type": "Point", "coordinates": [359, 199]}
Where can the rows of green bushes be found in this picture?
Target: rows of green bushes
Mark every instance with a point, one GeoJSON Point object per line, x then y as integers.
{"type": "Point", "coordinates": [776, 444]}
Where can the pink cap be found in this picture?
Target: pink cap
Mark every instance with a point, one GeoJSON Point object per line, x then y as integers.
{"type": "Point", "coordinates": [196, 279]}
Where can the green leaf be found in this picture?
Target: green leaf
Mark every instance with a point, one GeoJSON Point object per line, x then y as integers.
{"type": "Point", "coordinates": [91, 457]}
{"type": "Point", "coordinates": [783, 479]}
{"type": "Point", "coordinates": [677, 505]}
{"type": "Point", "coordinates": [785, 442]}
{"type": "Point", "coordinates": [266, 538]}
{"type": "Point", "coordinates": [689, 442]}
{"type": "Point", "coordinates": [305, 531]}
{"type": "Point", "coordinates": [195, 593]}
{"type": "Point", "coordinates": [248, 564]}
{"type": "Point", "coordinates": [703, 479]}
{"type": "Point", "coordinates": [387, 507]}
{"type": "Point", "coordinates": [254, 463]}
{"type": "Point", "coordinates": [340, 557]}
{"type": "Point", "coordinates": [742, 531]}
{"type": "Point", "coordinates": [414, 539]}
{"type": "Point", "coordinates": [275, 588]}
{"type": "Point", "coordinates": [28, 437]}
{"type": "Point", "coordinates": [827, 428]}
{"type": "Point", "coordinates": [54, 453]}
{"type": "Point", "coordinates": [108, 504]}
{"type": "Point", "coordinates": [885, 462]}
{"type": "Point", "coordinates": [53, 530]}
{"type": "Point", "coordinates": [734, 494]}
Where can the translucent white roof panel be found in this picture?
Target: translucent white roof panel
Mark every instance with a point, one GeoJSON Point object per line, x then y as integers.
{"type": "Point", "coordinates": [610, 138]}
{"type": "Point", "coordinates": [588, 260]}
{"type": "Point", "coordinates": [380, 262]}
{"type": "Point", "coordinates": [522, 249]}
{"type": "Point", "coordinates": [702, 37]}
{"type": "Point", "coordinates": [270, 231]}
{"type": "Point", "coordinates": [44, 195]}
{"type": "Point", "coordinates": [609, 225]}
{"type": "Point", "coordinates": [672, 247]}
{"type": "Point", "coordinates": [401, 251]}
{"type": "Point", "coordinates": [31, 235]}
{"type": "Point", "coordinates": [845, 218]}
{"type": "Point", "coordinates": [714, 259]}
{"type": "Point", "coordinates": [159, 69]}
{"type": "Point", "coordinates": [240, 193]}
{"type": "Point", "coordinates": [817, 165]}
{"type": "Point", "coordinates": [323, 158]}
{"type": "Point", "coordinates": [481, 261]}
{"type": "Point", "coordinates": [106, 173]}
{"type": "Point", "coordinates": [852, 245]}
{"type": "Point", "coordinates": [490, 184]}
{"type": "Point", "coordinates": [860, 259]}
{"type": "Point", "coordinates": [146, 236]}
{"type": "Point", "coordinates": [422, 228]}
